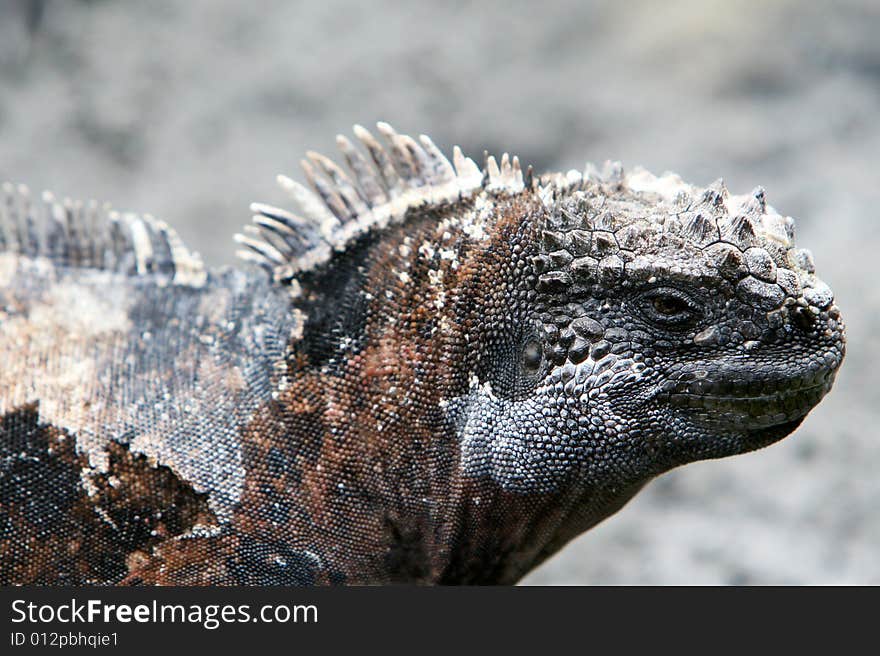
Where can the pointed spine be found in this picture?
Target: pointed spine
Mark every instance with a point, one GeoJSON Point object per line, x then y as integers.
{"type": "Point", "coordinates": [380, 157]}
{"type": "Point", "coordinates": [75, 234]}
{"type": "Point", "coordinates": [363, 172]}
{"type": "Point", "coordinates": [337, 205]}
{"type": "Point", "coordinates": [348, 192]}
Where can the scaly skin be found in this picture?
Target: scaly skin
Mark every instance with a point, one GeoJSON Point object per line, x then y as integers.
{"type": "Point", "coordinates": [450, 373]}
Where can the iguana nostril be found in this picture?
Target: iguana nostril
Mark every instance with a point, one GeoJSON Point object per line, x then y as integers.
{"type": "Point", "coordinates": [803, 318]}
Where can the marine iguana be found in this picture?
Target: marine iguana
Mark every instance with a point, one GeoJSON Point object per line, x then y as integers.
{"type": "Point", "coordinates": [435, 373]}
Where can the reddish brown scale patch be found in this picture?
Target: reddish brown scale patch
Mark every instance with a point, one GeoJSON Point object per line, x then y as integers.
{"type": "Point", "coordinates": [230, 559]}
{"type": "Point", "coordinates": [190, 561]}
{"type": "Point", "coordinates": [58, 529]}
{"type": "Point", "coordinates": [356, 462]}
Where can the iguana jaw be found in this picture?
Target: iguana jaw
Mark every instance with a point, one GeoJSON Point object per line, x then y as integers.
{"type": "Point", "coordinates": [711, 403]}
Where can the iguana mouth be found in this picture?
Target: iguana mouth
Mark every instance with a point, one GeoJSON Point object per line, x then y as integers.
{"type": "Point", "coordinates": [749, 406]}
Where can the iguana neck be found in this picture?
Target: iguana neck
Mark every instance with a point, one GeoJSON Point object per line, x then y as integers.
{"type": "Point", "coordinates": [380, 496]}
{"type": "Point", "coordinates": [362, 450]}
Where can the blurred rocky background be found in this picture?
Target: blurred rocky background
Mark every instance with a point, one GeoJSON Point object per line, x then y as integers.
{"type": "Point", "coordinates": [188, 110]}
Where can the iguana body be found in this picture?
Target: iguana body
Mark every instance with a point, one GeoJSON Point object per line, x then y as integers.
{"type": "Point", "coordinates": [447, 373]}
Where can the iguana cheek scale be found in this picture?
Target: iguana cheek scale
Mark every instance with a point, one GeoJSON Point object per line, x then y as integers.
{"type": "Point", "coordinates": [431, 372]}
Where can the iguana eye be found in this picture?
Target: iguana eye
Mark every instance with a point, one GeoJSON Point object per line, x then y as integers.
{"type": "Point", "coordinates": [669, 307]}
{"type": "Point", "coordinates": [532, 356]}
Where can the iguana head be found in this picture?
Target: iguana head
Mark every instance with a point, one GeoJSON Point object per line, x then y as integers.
{"type": "Point", "coordinates": [603, 326]}
{"type": "Point", "coordinates": [640, 324]}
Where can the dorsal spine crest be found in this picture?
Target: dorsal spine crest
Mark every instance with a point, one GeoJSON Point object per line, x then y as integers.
{"type": "Point", "coordinates": [88, 235]}
{"type": "Point", "coordinates": [337, 206]}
